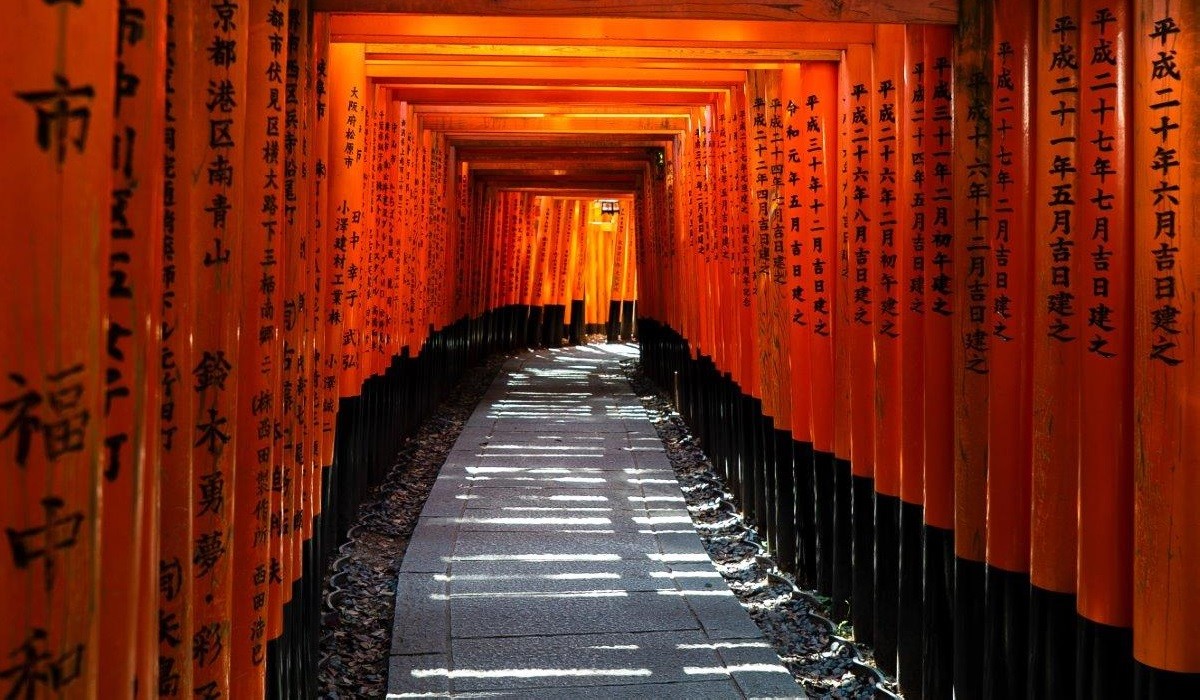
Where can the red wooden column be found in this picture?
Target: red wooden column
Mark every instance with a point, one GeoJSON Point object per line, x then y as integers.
{"type": "Point", "coordinates": [972, 180]}
{"type": "Point", "coordinates": [129, 534]}
{"type": "Point", "coordinates": [817, 109]}
{"type": "Point", "coordinates": [800, 317]}
{"type": "Point", "coordinates": [56, 110]}
{"type": "Point", "coordinates": [1104, 275]}
{"type": "Point", "coordinates": [890, 151]}
{"type": "Point", "coordinates": [1010, 402]}
{"type": "Point", "coordinates": [1055, 330]}
{"type": "Point", "coordinates": [912, 241]}
{"type": "Point", "coordinates": [1166, 600]}
{"type": "Point", "coordinates": [216, 148]}
{"type": "Point", "coordinates": [862, 215]}
{"type": "Point", "coordinates": [347, 108]}
{"type": "Point", "coordinates": [268, 261]}
{"type": "Point", "coordinates": [938, 628]}
{"type": "Point", "coordinates": [843, 550]}
{"type": "Point", "coordinates": [176, 404]}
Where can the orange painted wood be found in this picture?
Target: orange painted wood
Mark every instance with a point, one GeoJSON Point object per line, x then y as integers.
{"type": "Point", "coordinates": [804, 10]}
{"type": "Point", "coordinates": [129, 528]}
{"type": "Point", "coordinates": [56, 109]}
{"type": "Point", "coordinates": [800, 261]}
{"type": "Point", "coordinates": [971, 167]}
{"type": "Point", "coordinates": [889, 151]}
{"type": "Point", "coordinates": [913, 241]}
{"type": "Point", "coordinates": [1056, 323]}
{"type": "Point", "coordinates": [818, 173]}
{"type": "Point", "coordinates": [863, 223]}
{"type": "Point", "coordinates": [940, 294]}
{"type": "Point", "coordinates": [1010, 387]}
{"type": "Point", "coordinates": [1165, 550]}
{"type": "Point", "coordinates": [843, 314]}
{"type": "Point", "coordinates": [347, 121]}
{"type": "Point", "coordinates": [1106, 446]}
{"type": "Point", "coordinates": [216, 150]}
{"type": "Point", "coordinates": [177, 402]}
{"type": "Point", "coordinates": [269, 264]}
{"type": "Point", "coordinates": [322, 227]}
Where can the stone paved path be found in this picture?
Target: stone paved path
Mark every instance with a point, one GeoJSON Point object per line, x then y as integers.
{"type": "Point", "coordinates": [555, 557]}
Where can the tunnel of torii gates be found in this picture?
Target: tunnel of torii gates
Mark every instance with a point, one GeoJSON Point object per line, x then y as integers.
{"type": "Point", "coordinates": [921, 275]}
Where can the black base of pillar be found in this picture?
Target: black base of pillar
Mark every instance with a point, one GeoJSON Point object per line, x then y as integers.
{"type": "Point", "coordinates": [1051, 644]}
{"type": "Point", "coordinates": [843, 537]}
{"type": "Point", "coordinates": [1006, 642]}
{"type": "Point", "coordinates": [1104, 666]}
{"type": "Point", "coordinates": [887, 580]}
{"type": "Point", "coordinates": [908, 617]}
{"type": "Point", "coordinates": [969, 584]}
{"type": "Point", "coordinates": [937, 628]}
{"type": "Point", "coordinates": [862, 600]}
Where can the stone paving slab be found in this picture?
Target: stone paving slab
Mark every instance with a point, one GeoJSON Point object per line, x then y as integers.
{"type": "Point", "coordinates": [555, 557]}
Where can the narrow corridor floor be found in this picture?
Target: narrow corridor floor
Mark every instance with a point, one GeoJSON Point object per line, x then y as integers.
{"type": "Point", "coordinates": [555, 557]}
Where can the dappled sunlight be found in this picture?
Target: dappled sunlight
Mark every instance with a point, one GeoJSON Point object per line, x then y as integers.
{"type": "Point", "coordinates": [529, 672]}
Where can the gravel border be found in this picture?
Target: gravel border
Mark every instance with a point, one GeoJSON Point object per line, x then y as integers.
{"type": "Point", "coordinates": [821, 656]}
{"type": "Point", "coordinates": [359, 594]}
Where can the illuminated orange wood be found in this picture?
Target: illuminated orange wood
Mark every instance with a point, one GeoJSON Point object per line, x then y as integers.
{"type": "Point", "coordinates": [940, 294]}
{"type": "Point", "coordinates": [595, 31]}
{"type": "Point", "coordinates": [215, 255]}
{"type": "Point", "coordinates": [1056, 324]}
{"type": "Point", "coordinates": [802, 10]}
{"type": "Point", "coordinates": [889, 152]}
{"type": "Point", "coordinates": [913, 242]}
{"type": "Point", "coordinates": [971, 163]}
{"type": "Point", "coordinates": [56, 110]}
{"type": "Point", "coordinates": [129, 529]}
{"type": "Point", "coordinates": [1166, 556]}
{"type": "Point", "coordinates": [347, 117]}
{"type": "Point", "coordinates": [1010, 387]}
{"type": "Point", "coordinates": [1106, 393]}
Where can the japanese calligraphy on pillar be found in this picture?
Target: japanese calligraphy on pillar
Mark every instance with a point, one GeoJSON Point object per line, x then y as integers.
{"type": "Point", "coordinates": [1101, 162]}
{"type": "Point", "coordinates": [176, 408]}
{"type": "Point", "coordinates": [128, 526]}
{"type": "Point", "coordinates": [1059, 193]}
{"type": "Point", "coordinates": [56, 95]}
{"type": "Point", "coordinates": [888, 152]}
{"type": "Point", "coordinates": [794, 216]}
{"type": "Point", "coordinates": [219, 108]}
{"type": "Point", "coordinates": [861, 201]}
{"type": "Point", "coordinates": [977, 246]}
{"type": "Point", "coordinates": [263, 250]}
{"type": "Point", "coordinates": [941, 272]}
{"type": "Point", "coordinates": [1167, 319]}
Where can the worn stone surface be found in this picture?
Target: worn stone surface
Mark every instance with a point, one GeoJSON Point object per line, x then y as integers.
{"type": "Point", "coordinates": [555, 556]}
